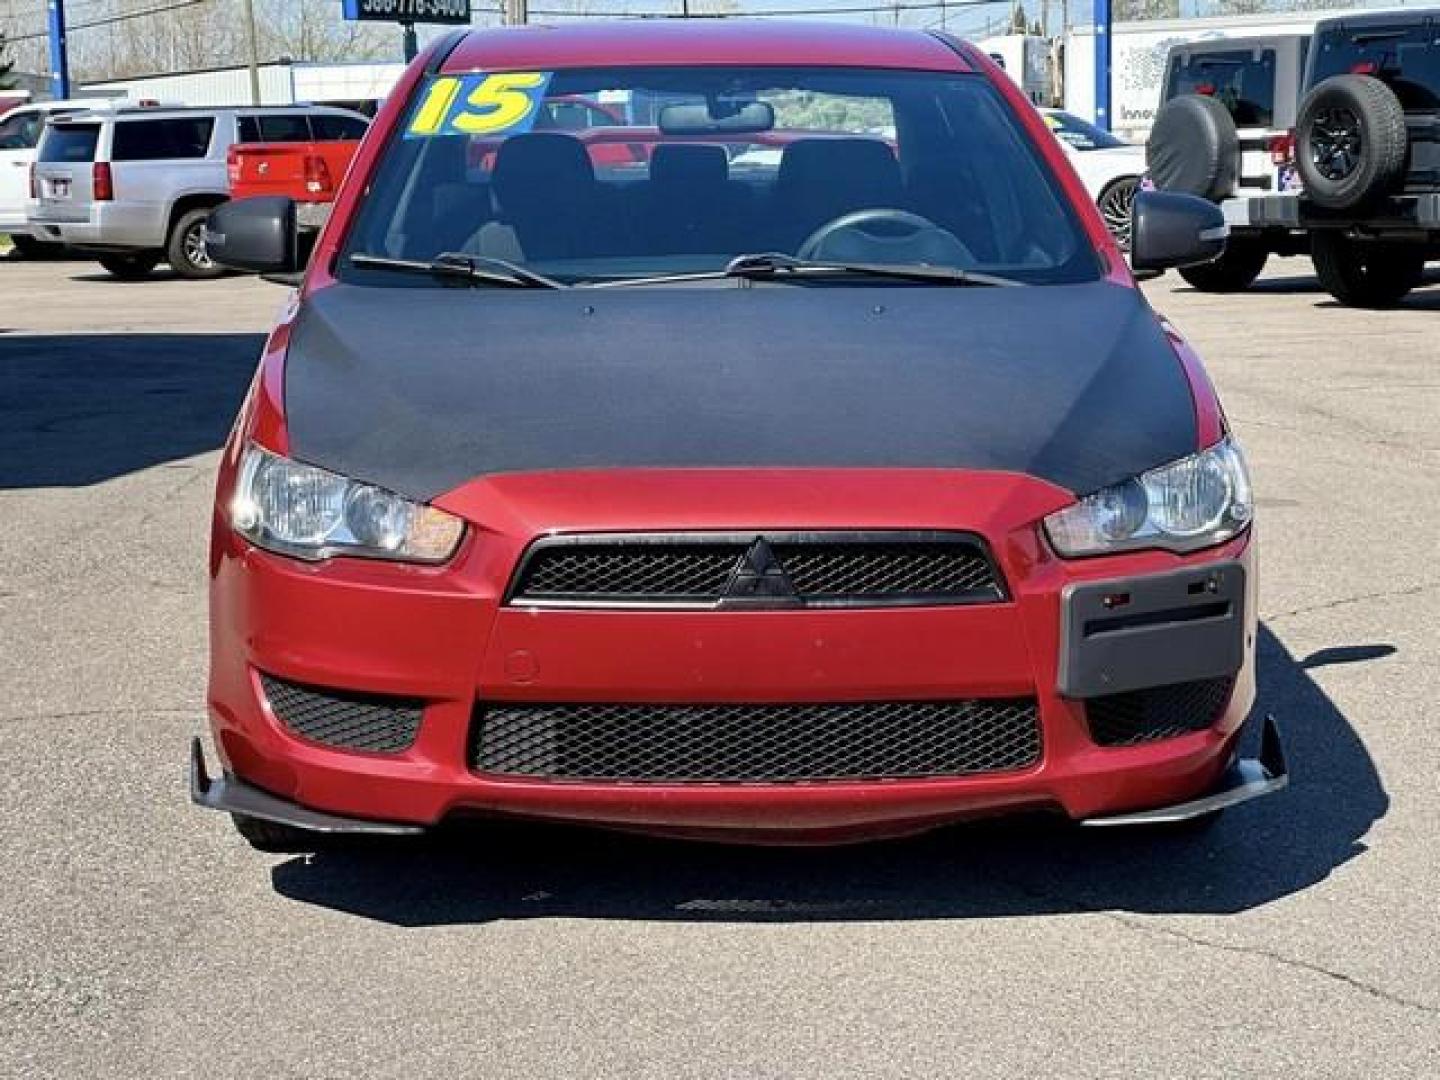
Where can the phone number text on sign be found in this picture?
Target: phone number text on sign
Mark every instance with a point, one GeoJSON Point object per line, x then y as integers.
{"type": "Point", "coordinates": [426, 11]}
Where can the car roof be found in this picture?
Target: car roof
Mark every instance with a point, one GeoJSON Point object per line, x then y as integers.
{"type": "Point", "coordinates": [80, 105]}
{"type": "Point", "coordinates": [152, 112]}
{"type": "Point", "coordinates": [750, 42]}
{"type": "Point", "coordinates": [1236, 44]}
{"type": "Point", "coordinates": [1389, 17]}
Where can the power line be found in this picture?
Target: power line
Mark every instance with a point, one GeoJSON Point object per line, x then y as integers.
{"type": "Point", "coordinates": [111, 20]}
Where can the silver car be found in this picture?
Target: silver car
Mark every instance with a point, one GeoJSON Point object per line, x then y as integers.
{"type": "Point", "coordinates": [135, 184]}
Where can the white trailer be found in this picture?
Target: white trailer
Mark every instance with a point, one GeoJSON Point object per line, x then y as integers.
{"type": "Point", "coordinates": [1026, 59]}
{"type": "Point", "coordinates": [280, 84]}
{"type": "Point", "coordinates": [1137, 65]}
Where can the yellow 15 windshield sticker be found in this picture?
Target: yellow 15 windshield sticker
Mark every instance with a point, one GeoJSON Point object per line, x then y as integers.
{"type": "Point", "coordinates": [505, 103]}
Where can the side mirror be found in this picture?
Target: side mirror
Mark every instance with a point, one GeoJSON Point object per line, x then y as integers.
{"type": "Point", "coordinates": [1169, 230]}
{"type": "Point", "coordinates": [260, 235]}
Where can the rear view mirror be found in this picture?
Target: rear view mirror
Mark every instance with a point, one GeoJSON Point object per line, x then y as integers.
{"type": "Point", "coordinates": [1170, 230]}
{"type": "Point", "coordinates": [719, 117]}
{"type": "Point", "coordinates": [260, 235]}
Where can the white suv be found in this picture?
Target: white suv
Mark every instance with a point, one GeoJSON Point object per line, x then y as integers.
{"type": "Point", "coordinates": [20, 131]}
{"type": "Point", "coordinates": [135, 185]}
{"type": "Point", "coordinates": [1224, 132]}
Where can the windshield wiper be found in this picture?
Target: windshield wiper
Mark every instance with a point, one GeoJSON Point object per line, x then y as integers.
{"type": "Point", "coordinates": [471, 269]}
{"type": "Point", "coordinates": [776, 265]}
{"type": "Point", "coordinates": [773, 264]}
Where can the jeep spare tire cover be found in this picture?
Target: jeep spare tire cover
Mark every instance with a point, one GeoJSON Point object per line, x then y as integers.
{"type": "Point", "coordinates": [1350, 141]}
{"type": "Point", "coordinates": [1194, 148]}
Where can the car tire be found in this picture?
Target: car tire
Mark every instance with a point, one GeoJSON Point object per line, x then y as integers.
{"type": "Point", "coordinates": [1366, 273]}
{"type": "Point", "coordinates": [1194, 148]}
{"type": "Point", "coordinates": [1234, 271]}
{"type": "Point", "coordinates": [272, 837]}
{"type": "Point", "coordinates": [1350, 142]}
{"type": "Point", "coordinates": [131, 266]}
{"type": "Point", "coordinates": [1117, 204]}
{"type": "Point", "coordinates": [186, 249]}
{"type": "Point", "coordinates": [28, 247]}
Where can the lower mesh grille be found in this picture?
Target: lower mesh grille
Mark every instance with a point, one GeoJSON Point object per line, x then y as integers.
{"type": "Point", "coordinates": [1161, 712]}
{"type": "Point", "coordinates": [376, 723]}
{"type": "Point", "coordinates": [756, 743]}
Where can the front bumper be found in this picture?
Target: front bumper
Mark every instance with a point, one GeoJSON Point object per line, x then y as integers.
{"type": "Point", "coordinates": [446, 637]}
{"type": "Point", "coordinates": [1244, 780]}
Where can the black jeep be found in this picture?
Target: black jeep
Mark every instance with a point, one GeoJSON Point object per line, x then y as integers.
{"type": "Point", "coordinates": [1368, 154]}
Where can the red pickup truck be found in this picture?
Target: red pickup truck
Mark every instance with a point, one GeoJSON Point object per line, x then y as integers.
{"type": "Point", "coordinates": [308, 172]}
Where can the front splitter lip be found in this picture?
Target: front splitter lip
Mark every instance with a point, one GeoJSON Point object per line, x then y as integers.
{"type": "Point", "coordinates": [1246, 779]}
{"type": "Point", "coordinates": [232, 795]}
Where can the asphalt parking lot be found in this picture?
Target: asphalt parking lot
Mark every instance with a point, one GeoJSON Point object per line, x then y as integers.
{"type": "Point", "coordinates": [141, 937]}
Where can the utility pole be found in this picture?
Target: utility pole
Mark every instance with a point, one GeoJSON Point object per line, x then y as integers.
{"type": "Point", "coordinates": [517, 12]}
{"type": "Point", "coordinates": [254, 40]}
{"type": "Point", "coordinates": [59, 50]}
{"type": "Point", "coordinates": [1103, 25]}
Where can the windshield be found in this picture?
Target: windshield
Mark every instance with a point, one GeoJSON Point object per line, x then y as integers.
{"type": "Point", "coordinates": [1404, 55]}
{"type": "Point", "coordinates": [21, 131]}
{"type": "Point", "coordinates": [592, 175]}
{"type": "Point", "coordinates": [1079, 134]}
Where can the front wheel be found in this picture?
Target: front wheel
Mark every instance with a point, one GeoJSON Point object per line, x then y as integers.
{"type": "Point", "coordinates": [1366, 273]}
{"type": "Point", "coordinates": [1117, 204]}
{"type": "Point", "coordinates": [1234, 271]}
{"type": "Point", "coordinates": [186, 251]}
{"type": "Point", "coordinates": [131, 266]}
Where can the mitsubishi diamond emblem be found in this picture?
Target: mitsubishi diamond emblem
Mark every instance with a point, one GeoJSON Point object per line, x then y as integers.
{"type": "Point", "coordinates": [760, 580]}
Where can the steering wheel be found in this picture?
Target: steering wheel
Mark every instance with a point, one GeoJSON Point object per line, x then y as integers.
{"type": "Point", "coordinates": [883, 235]}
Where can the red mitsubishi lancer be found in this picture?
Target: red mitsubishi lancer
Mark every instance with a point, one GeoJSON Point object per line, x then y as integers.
{"type": "Point", "coordinates": [812, 471]}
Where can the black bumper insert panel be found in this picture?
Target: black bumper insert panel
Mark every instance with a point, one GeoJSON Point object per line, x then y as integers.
{"type": "Point", "coordinates": [1135, 633]}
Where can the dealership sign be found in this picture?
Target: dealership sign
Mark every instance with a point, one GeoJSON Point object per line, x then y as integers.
{"type": "Point", "coordinates": [409, 11]}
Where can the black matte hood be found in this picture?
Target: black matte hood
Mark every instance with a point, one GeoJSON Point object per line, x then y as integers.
{"type": "Point", "coordinates": [421, 390]}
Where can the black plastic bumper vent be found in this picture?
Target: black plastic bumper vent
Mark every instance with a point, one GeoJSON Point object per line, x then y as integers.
{"type": "Point", "coordinates": [772, 570]}
{"type": "Point", "coordinates": [375, 723]}
{"type": "Point", "coordinates": [1162, 712]}
{"type": "Point", "coordinates": [756, 743]}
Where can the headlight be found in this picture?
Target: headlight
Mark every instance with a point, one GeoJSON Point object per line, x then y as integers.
{"type": "Point", "coordinates": [309, 513]}
{"type": "Point", "coordinates": [1198, 501]}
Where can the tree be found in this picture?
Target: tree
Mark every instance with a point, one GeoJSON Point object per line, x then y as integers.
{"type": "Point", "coordinates": [310, 30]}
{"type": "Point", "coordinates": [1140, 10]}
{"type": "Point", "coordinates": [1244, 7]}
{"type": "Point", "coordinates": [1017, 19]}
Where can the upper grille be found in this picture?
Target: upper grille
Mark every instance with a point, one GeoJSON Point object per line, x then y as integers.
{"type": "Point", "coordinates": [353, 721]}
{"type": "Point", "coordinates": [653, 572]}
{"type": "Point", "coordinates": [1161, 712]}
{"type": "Point", "coordinates": [843, 570]}
{"type": "Point", "coordinates": [756, 743]}
{"type": "Point", "coordinates": [708, 570]}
